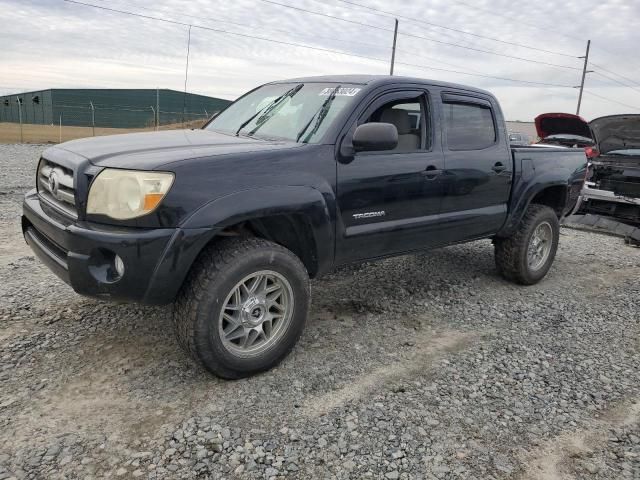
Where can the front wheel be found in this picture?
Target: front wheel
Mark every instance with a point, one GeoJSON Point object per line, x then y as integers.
{"type": "Point", "coordinates": [527, 256]}
{"type": "Point", "coordinates": [243, 306]}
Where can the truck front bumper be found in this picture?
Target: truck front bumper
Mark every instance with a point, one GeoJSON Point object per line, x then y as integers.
{"type": "Point", "coordinates": [123, 264]}
{"type": "Point", "coordinates": [590, 192]}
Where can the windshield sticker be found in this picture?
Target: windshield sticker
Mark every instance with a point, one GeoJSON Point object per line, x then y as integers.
{"type": "Point", "coordinates": [342, 92]}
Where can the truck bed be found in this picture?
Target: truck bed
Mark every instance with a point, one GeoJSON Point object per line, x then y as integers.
{"type": "Point", "coordinates": [566, 163]}
{"type": "Point", "coordinates": [550, 166]}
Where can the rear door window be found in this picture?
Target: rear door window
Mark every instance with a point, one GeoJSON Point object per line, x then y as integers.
{"type": "Point", "coordinates": [469, 126]}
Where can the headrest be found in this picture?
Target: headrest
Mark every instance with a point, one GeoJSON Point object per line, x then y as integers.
{"type": "Point", "coordinates": [399, 118]}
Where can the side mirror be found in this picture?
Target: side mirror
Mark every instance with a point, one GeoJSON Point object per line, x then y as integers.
{"type": "Point", "coordinates": [374, 137]}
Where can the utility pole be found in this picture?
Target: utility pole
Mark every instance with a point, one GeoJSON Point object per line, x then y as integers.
{"type": "Point", "coordinates": [584, 74]}
{"type": "Point", "coordinates": [20, 116]}
{"type": "Point", "coordinates": [93, 119]}
{"type": "Point", "coordinates": [186, 73]}
{"type": "Point", "coordinates": [393, 50]}
{"type": "Point", "coordinates": [157, 108]}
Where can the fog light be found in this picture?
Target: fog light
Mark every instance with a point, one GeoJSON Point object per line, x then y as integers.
{"type": "Point", "coordinates": [119, 264]}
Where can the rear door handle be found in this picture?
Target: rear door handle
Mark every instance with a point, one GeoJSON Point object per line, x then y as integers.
{"type": "Point", "coordinates": [431, 172]}
{"type": "Point", "coordinates": [498, 167]}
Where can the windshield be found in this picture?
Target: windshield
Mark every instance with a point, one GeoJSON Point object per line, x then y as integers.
{"type": "Point", "coordinates": [286, 111]}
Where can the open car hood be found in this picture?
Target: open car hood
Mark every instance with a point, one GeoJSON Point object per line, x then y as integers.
{"type": "Point", "coordinates": [616, 132]}
{"type": "Point", "coordinates": [561, 123]}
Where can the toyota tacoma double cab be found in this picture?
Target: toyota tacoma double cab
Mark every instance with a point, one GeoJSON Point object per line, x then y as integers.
{"type": "Point", "coordinates": [293, 179]}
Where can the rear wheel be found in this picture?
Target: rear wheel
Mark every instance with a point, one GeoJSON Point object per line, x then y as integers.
{"type": "Point", "coordinates": [243, 306]}
{"type": "Point", "coordinates": [527, 256]}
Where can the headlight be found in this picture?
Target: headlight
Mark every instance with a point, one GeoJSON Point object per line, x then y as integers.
{"type": "Point", "coordinates": [125, 194]}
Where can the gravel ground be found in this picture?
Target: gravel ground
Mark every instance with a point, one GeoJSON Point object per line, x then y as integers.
{"type": "Point", "coordinates": [423, 366]}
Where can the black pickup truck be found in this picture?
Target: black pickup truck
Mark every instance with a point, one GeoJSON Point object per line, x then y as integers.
{"type": "Point", "coordinates": [293, 179]}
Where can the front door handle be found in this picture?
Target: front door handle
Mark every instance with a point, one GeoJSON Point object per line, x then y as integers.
{"type": "Point", "coordinates": [431, 172]}
{"type": "Point", "coordinates": [498, 167]}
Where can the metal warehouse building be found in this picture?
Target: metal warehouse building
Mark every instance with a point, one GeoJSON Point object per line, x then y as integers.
{"type": "Point", "coordinates": [116, 108]}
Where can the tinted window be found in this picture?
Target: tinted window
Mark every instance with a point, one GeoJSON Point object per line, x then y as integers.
{"type": "Point", "coordinates": [469, 126]}
{"type": "Point", "coordinates": [407, 117]}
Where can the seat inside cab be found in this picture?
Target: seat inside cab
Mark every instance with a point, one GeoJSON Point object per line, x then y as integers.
{"type": "Point", "coordinates": [408, 139]}
{"type": "Point", "coordinates": [405, 116]}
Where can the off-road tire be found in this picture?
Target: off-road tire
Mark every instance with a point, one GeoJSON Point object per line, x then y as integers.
{"type": "Point", "coordinates": [511, 252]}
{"type": "Point", "coordinates": [213, 276]}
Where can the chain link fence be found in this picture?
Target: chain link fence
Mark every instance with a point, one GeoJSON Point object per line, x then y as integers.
{"type": "Point", "coordinates": [59, 117]}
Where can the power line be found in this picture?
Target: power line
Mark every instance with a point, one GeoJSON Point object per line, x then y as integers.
{"type": "Point", "coordinates": [421, 37]}
{"type": "Point", "coordinates": [542, 84]}
{"type": "Point", "coordinates": [245, 25]}
{"type": "Point", "coordinates": [219, 30]}
{"type": "Point", "coordinates": [634, 82]}
{"type": "Point", "coordinates": [519, 22]}
{"type": "Point", "coordinates": [611, 100]}
{"type": "Point", "coordinates": [315, 36]}
{"type": "Point", "coordinates": [333, 51]}
{"type": "Point", "coordinates": [615, 81]}
{"type": "Point", "coordinates": [533, 25]}
{"type": "Point", "coordinates": [318, 48]}
{"type": "Point", "coordinates": [245, 35]}
{"type": "Point", "coordinates": [620, 55]}
{"type": "Point", "coordinates": [465, 32]}
{"type": "Point", "coordinates": [363, 43]}
{"type": "Point", "coordinates": [373, 12]}
{"type": "Point", "coordinates": [515, 57]}
{"type": "Point", "coordinates": [469, 70]}
{"type": "Point", "coordinates": [354, 22]}
{"type": "Point", "coordinates": [413, 54]}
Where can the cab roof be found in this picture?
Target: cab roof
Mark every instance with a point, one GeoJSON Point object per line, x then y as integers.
{"type": "Point", "coordinates": [378, 80]}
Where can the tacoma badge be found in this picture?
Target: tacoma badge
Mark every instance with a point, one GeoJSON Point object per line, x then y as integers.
{"type": "Point", "coordinates": [359, 216]}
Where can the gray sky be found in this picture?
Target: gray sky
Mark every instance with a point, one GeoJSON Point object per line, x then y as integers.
{"type": "Point", "coordinates": [51, 43]}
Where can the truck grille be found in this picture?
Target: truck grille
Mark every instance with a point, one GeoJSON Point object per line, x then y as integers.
{"type": "Point", "coordinates": [56, 187]}
{"type": "Point", "coordinates": [620, 185]}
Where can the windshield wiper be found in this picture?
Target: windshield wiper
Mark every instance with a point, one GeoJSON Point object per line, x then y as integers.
{"type": "Point", "coordinates": [321, 114]}
{"type": "Point", "coordinates": [268, 109]}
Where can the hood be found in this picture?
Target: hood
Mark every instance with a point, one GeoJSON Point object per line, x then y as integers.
{"type": "Point", "coordinates": [150, 150]}
{"type": "Point", "coordinates": [561, 123]}
{"type": "Point", "coordinates": [616, 132]}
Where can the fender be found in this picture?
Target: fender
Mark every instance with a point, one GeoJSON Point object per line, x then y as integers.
{"type": "Point", "coordinates": [316, 207]}
{"type": "Point", "coordinates": [524, 191]}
